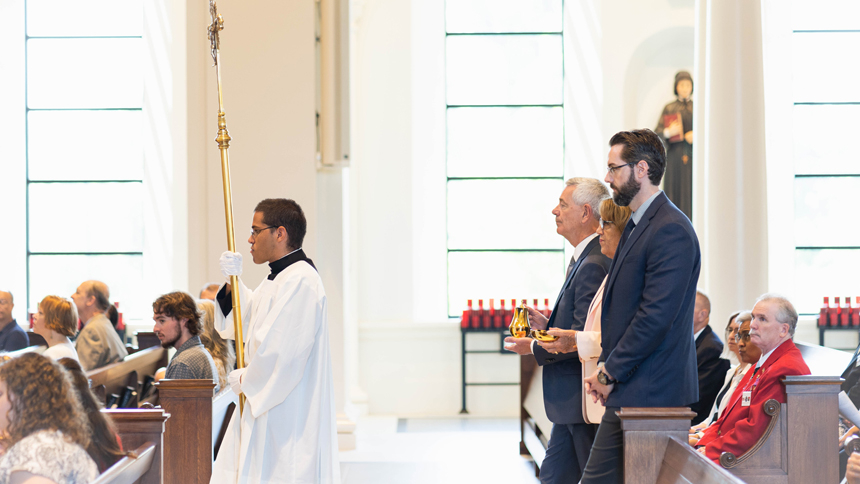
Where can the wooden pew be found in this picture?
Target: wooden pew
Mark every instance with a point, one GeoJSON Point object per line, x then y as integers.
{"type": "Point", "coordinates": [138, 428]}
{"type": "Point", "coordinates": [656, 449]}
{"type": "Point", "coordinates": [117, 376]}
{"type": "Point", "coordinates": [130, 469]}
{"type": "Point", "coordinates": [188, 433]}
{"type": "Point", "coordinates": [801, 447]}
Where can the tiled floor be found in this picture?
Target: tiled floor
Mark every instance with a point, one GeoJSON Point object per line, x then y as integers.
{"type": "Point", "coordinates": [433, 451]}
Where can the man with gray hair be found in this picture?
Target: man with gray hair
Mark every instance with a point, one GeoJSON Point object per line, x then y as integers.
{"type": "Point", "coordinates": [98, 344]}
{"type": "Point", "coordinates": [577, 218]}
{"type": "Point", "coordinates": [740, 426]}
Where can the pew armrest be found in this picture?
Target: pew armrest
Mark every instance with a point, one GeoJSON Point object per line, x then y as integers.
{"type": "Point", "coordinates": [729, 460]}
{"type": "Point", "coordinates": [131, 468]}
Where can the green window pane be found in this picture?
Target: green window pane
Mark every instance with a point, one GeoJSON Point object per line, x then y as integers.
{"type": "Point", "coordinates": [94, 18]}
{"type": "Point", "coordinates": [505, 142]}
{"type": "Point", "coordinates": [60, 275]}
{"type": "Point", "coordinates": [503, 214]}
{"type": "Point", "coordinates": [816, 202]}
{"type": "Point", "coordinates": [471, 16]}
{"type": "Point", "coordinates": [824, 272]}
{"type": "Point", "coordinates": [820, 70]}
{"type": "Point", "coordinates": [508, 275]}
{"type": "Point", "coordinates": [504, 69]}
{"type": "Point", "coordinates": [55, 138]}
{"type": "Point", "coordinates": [84, 73]}
{"type": "Point", "coordinates": [57, 213]}
{"type": "Point", "coordinates": [825, 15]}
{"type": "Point", "coordinates": [815, 129]}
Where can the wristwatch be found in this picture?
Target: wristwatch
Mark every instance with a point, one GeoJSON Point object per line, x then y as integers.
{"type": "Point", "coordinates": [605, 379]}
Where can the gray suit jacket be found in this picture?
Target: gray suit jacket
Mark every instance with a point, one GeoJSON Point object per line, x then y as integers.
{"type": "Point", "coordinates": [98, 344]}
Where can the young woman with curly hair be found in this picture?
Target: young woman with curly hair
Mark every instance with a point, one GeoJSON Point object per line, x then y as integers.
{"type": "Point", "coordinates": [57, 321]}
{"type": "Point", "coordinates": [43, 429]}
{"type": "Point", "coordinates": [105, 446]}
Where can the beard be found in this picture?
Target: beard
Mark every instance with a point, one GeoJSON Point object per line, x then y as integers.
{"type": "Point", "coordinates": [168, 343]}
{"type": "Point", "coordinates": [625, 193]}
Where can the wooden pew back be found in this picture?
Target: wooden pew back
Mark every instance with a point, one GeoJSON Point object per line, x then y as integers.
{"type": "Point", "coordinates": [137, 428]}
{"type": "Point", "coordinates": [656, 449]}
{"type": "Point", "coordinates": [115, 377]}
{"type": "Point", "coordinates": [130, 470]}
{"type": "Point", "coordinates": [188, 433]}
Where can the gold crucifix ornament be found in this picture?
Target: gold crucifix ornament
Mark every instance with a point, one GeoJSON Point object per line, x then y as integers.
{"type": "Point", "coordinates": [223, 140]}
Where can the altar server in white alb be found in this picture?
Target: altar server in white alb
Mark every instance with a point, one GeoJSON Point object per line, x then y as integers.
{"type": "Point", "coordinates": [287, 432]}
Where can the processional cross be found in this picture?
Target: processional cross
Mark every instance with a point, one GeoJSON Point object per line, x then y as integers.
{"type": "Point", "coordinates": [223, 140]}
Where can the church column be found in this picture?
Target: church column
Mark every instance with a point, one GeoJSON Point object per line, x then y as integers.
{"type": "Point", "coordinates": [730, 185]}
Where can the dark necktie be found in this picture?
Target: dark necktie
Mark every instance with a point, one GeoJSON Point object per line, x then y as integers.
{"type": "Point", "coordinates": [628, 229]}
{"type": "Point", "coordinates": [569, 267]}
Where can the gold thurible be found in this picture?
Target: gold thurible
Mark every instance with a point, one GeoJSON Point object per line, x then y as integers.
{"type": "Point", "coordinates": [223, 140]}
{"type": "Point", "coordinates": [519, 327]}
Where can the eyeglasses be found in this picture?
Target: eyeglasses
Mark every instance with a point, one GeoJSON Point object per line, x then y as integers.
{"type": "Point", "coordinates": [611, 170]}
{"type": "Point", "coordinates": [604, 223]}
{"type": "Point", "coordinates": [4, 302]}
{"type": "Point", "coordinates": [256, 232]}
{"type": "Point", "coordinates": [742, 336]}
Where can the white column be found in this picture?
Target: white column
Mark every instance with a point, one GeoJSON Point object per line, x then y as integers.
{"type": "Point", "coordinates": [730, 204]}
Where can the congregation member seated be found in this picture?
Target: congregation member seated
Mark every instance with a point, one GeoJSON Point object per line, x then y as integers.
{"type": "Point", "coordinates": [177, 325]}
{"type": "Point", "coordinates": [43, 426]}
{"type": "Point", "coordinates": [749, 355]}
{"type": "Point", "coordinates": [12, 337]}
{"type": "Point", "coordinates": [105, 446]}
{"type": "Point", "coordinates": [57, 321]}
{"type": "Point", "coordinates": [221, 350]}
{"type": "Point", "coordinates": [98, 344]}
{"type": "Point", "coordinates": [711, 366]}
{"type": "Point", "coordinates": [744, 420]}
{"type": "Point", "coordinates": [736, 371]}
{"type": "Point", "coordinates": [113, 316]}
{"type": "Point", "coordinates": [209, 291]}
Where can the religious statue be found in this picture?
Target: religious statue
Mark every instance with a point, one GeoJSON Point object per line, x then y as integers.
{"type": "Point", "coordinates": [676, 128]}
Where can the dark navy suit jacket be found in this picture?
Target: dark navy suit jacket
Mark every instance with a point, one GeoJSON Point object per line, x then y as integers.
{"type": "Point", "coordinates": [712, 370]}
{"type": "Point", "coordinates": [562, 373]}
{"type": "Point", "coordinates": [647, 319]}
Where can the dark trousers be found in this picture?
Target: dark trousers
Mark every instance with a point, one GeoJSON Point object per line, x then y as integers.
{"type": "Point", "coordinates": [606, 463]}
{"type": "Point", "coordinates": [567, 453]}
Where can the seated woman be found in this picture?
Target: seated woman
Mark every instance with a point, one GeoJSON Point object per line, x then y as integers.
{"type": "Point", "coordinates": [43, 427]}
{"type": "Point", "coordinates": [613, 219]}
{"type": "Point", "coordinates": [57, 321]}
{"type": "Point", "coordinates": [105, 446]}
{"type": "Point", "coordinates": [749, 355]}
{"type": "Point", "coordinates": [220, 349]}
{"type": "Point", "coordinates": [735, 373]}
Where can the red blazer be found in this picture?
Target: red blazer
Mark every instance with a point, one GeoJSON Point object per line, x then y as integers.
{"type": "Point", "coordinates": [739, 427]}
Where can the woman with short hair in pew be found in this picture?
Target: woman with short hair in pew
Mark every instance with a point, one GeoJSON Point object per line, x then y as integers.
{"type": "Point", "coordinates": [222, 351]}
{"type": "Point", "coordinates": [749, 354]}
{"type": "Point", "coordinates": [105, 445]}
{"type": "Point", "coordinates": [57, 321]}
{"type": "Point", "coordinates": [43, 428]}
{"type": "Point", "coordinates": [736, 371]}
{"type": "Point", "coordinates": [613, 219]}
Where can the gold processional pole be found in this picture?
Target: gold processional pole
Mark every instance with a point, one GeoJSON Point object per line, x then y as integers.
{"type": "Point", "coordinates": [223, 140]}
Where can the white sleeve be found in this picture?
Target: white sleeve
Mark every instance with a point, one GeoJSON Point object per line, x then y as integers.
{"type": "Point", "coordinates": [588, 344]}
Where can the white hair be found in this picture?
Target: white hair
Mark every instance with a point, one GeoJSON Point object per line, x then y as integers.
{"type": "Point", "coordinates": [785, 312]}
{"type": "Point", "coordinates": [589, 191]}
